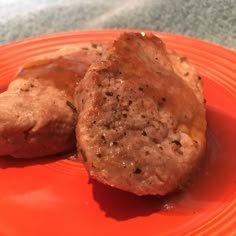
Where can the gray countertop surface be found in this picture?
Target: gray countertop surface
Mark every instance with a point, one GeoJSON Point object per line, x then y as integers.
{"type": "Point", "coordinates": [211, 20]}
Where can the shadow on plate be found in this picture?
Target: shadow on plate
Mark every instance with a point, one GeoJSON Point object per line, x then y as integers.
{"type": "Point", "coordinates": [9, 162]}
{"type": "Point", "coordinates": [211, 186]}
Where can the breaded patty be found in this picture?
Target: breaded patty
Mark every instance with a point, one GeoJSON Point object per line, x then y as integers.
{"type": "Point", "coordinates": [37, 115]}
{"type": "Point", "coordinates": [141, 117]}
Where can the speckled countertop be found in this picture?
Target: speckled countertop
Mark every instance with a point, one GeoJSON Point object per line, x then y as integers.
{"type": "Point", "coordinates": [212, 20]}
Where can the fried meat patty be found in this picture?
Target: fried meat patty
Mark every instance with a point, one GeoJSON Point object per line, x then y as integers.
{"type": "Point", "coordinates": [141, 117]}
{"type": "Point", "coordinates": [37, 115]}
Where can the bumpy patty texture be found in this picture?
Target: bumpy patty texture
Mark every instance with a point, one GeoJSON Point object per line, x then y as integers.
{"type": "Point", "coordinates": [37, 113]}
{"type": "Point", "coordinates": [141, 117]}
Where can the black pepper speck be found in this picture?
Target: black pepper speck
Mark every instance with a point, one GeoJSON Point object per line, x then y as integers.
{"type": "Point", "coordinates": [109, 93]}
{"type": "Point", "coordinates": [177, 142]}
{"type": "Point", "coordinates": [144, 133]}
{"type": "Point", "coordinates": [137, 171]}
{"type": "Point", "coordinates": [99, 155]}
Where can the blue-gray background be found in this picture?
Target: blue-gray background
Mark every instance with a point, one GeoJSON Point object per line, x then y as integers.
{"type": "Point", "coordinates": [212, 20]}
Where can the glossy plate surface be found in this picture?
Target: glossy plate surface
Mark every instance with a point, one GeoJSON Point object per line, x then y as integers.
{"type": "Point", "coordinates": [55, 197]}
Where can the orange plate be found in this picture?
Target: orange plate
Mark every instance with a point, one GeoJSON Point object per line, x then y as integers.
{"type": "Point", "coordinates": [55, 197]}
